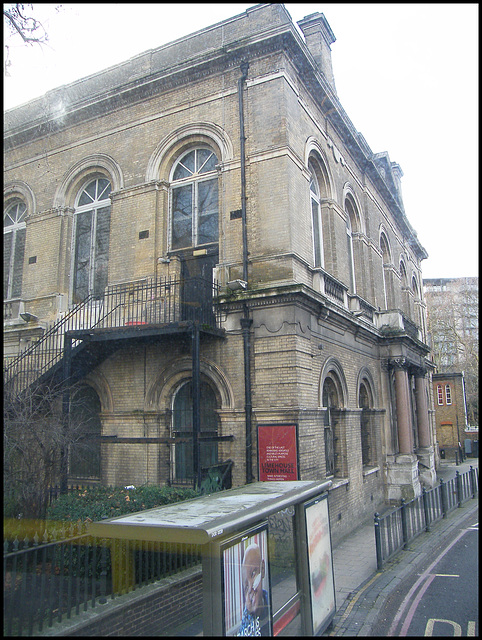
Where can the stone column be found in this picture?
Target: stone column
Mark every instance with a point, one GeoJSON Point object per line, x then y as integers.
{"type": "Point", "coordinates": [404, 424]}
{"type": "Point", "coordinates": [422, 411]}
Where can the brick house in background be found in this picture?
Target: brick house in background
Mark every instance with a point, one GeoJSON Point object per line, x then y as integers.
{"type": "Point", "coordinates": [222, 157]}
{"type": "Point", "coordinates": [451, 414]}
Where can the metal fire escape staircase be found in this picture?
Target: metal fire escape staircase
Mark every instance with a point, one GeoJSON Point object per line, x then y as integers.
{"type": "Point", "coordinates": [145, 310]}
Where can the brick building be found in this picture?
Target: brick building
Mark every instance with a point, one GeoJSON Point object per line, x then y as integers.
{"type": "Point", "coordinates": [222, 157]}
{"type": "Point", "coordinates": [452, 427]}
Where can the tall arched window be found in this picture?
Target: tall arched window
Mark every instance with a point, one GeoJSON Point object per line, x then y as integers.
{"type": "Point", "coordinates": [92, 229]}
{"type": "Point", "coordinates": [14, 233]}
{"type": "Point", "coordinates": [405, 289]}
{"type": "Point", "coordinates": [194, 199]}
{"type": "Point", "coordinates": [417, 301]}
{"type": "Point", "coordinates": [350, 227]}
{"type": "Point", "coordinates": [316, 218]}
{"type": "Point", "coordinates": [365, 404]}
{"type": "Point", "coordinates": [386, 264]}
{"type": "Point", "coordinates": [182, 428]}
{"type": "Point", "coordinates": [331, 401]}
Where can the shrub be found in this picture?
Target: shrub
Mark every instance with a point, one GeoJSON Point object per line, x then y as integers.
{"type": "Point", "coordinates": [97, 503]}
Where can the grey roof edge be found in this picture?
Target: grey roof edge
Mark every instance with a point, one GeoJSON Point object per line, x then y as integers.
{"type": "Point", "coordinates": [218, 527]}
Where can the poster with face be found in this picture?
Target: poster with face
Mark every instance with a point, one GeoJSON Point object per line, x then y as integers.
{"type": "Point", "coordinates": [246, 586]}
{"type": "Point", "coordinates": [322, 587]}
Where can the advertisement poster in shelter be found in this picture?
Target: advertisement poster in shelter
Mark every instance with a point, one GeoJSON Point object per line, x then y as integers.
{"type": "Point", "coordinates": [278, 452]}
{"type": "Point", "coordinates": [320, 563]}
{"type": "Point", "coordinates": [246, 585]}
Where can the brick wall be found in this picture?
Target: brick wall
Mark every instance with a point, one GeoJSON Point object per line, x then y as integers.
{"type": "Point", "coordinates": [149, 611]}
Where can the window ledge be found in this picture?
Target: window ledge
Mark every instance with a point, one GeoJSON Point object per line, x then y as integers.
{"type": "Point", "coordinates": [368, 471]}
{"type": "Point", "coordinates": [339, 482]}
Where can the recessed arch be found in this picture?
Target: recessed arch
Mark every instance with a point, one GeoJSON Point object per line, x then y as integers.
{"type": "Point", "coordinates": [365, 377]}
{"type": "Point", "coordinates": [314, 154]}
{"type": "Point", "coordinates": [91, 167]}
{"type": "Point", "coordinates": [99, 382]}
{"type": "Point", "coordinates": [179, 370]}
{"type": "Point", "coordinates": [352, 209]}
{"type": "Point", "coordinates": [161, 161]}
{"type": "Point", "coordinates": [22, 191]}
{"type": "Point", "coordinates": [385, 248]}
{"type": "Point", "coordinates": [332, 368]}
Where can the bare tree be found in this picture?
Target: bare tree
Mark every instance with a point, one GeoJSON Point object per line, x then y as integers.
{"type": "Point", "coordinates": [21, 23]}
{"type": "Point", "coordinates": [37, 437]}
{"type": "Point", "coordinates": [453, 322]}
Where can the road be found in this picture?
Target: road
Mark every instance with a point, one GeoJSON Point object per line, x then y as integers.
{"type": "Point", "coordinates": [441, 598]}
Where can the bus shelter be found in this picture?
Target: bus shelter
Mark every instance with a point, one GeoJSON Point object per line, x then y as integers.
{"type": "Point", "coordinates": [267, 565]}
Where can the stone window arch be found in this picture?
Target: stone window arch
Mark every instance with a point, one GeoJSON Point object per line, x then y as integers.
{"type": "Point", "coordinates": [352, 227]}
{"type": "Point", "coordinates": [194, 198]}
{"type": "Point", "coordinates": [365, 403]}
{"type": "Point", "coordinates": [182, 466]}
{"type": "Point", "coordinates": [91, 237]}
{"type": "Point", "coordinates": [405, 289]}
{"type": "Point", "coordinates": [334, 436]}
{"type": "Point", "coordinates": [387, 271]}
{"type": "Point", "coordinates": [14, 236]}
{"type": "Point", "coordinates": [418, 304]}
{"type": "Point", "coordinates": [316, 219]}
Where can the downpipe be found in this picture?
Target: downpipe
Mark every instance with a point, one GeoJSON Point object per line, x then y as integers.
{"type": "Point", "coordinates": [246, 321]}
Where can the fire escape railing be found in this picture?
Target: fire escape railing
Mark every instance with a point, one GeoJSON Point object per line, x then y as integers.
{"type": "Point", "coordinates": [149, 302]}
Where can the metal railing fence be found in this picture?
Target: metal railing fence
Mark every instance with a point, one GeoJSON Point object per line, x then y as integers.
{"type": "Point", "coordinates": [394, 530]}
{"type": "Point", "coordinates": [46, 582]}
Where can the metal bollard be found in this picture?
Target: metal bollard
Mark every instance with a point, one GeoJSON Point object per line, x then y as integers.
{"type": "Point", "coordinates": [378, 542]}
{"type": "Point", "coordinates": [426, 512]}
{"type": "Point", "coordinates": [443, 499]}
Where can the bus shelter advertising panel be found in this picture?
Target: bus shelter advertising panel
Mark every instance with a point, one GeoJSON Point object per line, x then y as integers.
{"type": "Point", "coordinates": [246, 584]}
{"type": "Point", "coordinates": [320, 564]}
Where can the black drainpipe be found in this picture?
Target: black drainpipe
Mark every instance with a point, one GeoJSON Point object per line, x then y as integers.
{"type": "Point", "coordinates": [246, 321]}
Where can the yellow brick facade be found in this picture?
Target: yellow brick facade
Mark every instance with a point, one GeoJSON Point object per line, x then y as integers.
{"type": "Point", "coordinates": [130, 124]}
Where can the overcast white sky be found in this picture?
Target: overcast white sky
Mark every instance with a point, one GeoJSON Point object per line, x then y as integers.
{"type": "Point", "coordinates": [406, 74]}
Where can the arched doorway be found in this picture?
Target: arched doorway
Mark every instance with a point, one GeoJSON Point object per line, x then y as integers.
{"type": "Point", "coordinates": [182, 429]}
{"type": "Point", "coordinates": [85, 426]}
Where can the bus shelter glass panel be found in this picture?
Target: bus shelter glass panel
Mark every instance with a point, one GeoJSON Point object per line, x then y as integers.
{"type": "Point", "coordinates": [246, 584]}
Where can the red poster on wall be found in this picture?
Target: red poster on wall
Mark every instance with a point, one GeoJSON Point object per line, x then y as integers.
{"type": "Point", "coordinates": [278, 452]}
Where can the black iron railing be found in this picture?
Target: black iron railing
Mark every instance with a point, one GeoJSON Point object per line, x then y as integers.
{"type": "Point", "coordinates": [49, 580]}
{"type": "Point", "coordinates": [394, 530]}
{"type": "Point", "coordinates": [145, 303]}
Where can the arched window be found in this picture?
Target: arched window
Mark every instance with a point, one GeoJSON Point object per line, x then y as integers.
{"type": "Point", "coordinates": [440, 397]}
{"type": "Point", "coordinates": [316, 218]}
{"type": "Point", "coordinates": [183, 468]}
{"type": "Point", "coordinates": [350, 227]}
{"type": "Point", "coordinates": [448, 394]}
{"type": "Point", "coordinates": [194, 199]}
{"type": "Point", "coordinates": [386, 262]}
{"type": "Point", "coordinates": [86, 430]}
{"type": "Point", "coordinates": [333, 445]}
{"type": "Point", "coordinates": [365, 404]}
{"type": "Point", "coordinates": [405, 289]}
{"type": "Point", "coordinates": [92, 229]}
{"type": "Point", "coordinates": [14, 233]}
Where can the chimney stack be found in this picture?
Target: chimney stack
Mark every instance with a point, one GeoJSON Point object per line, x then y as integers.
{"type": "Point", "coordinates": [318, 38]}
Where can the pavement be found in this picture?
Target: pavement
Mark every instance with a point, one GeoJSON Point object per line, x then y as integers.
{"type": "Point", "coordinates": [360, 589]}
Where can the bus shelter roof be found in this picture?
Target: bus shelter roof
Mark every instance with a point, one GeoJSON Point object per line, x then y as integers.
{"type": "Point", "coordinates": [201, 520]}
